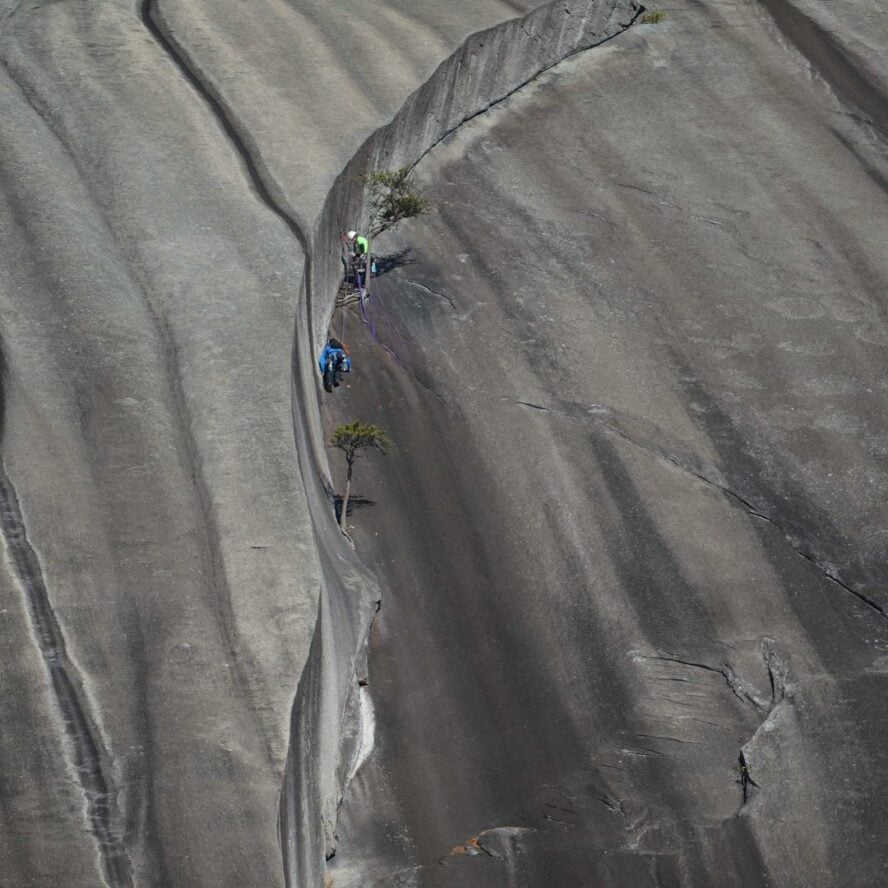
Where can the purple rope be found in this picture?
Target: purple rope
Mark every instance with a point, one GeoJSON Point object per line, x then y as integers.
{"type": "Point", "coordinates": [379, 323]}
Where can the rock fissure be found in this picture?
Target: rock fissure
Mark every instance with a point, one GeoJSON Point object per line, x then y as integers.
{"type": "Point", "coordinates": [614, 805]}
{"type": "Point", "coordinates": [737, 686]}
{"type": "Point", "coordinates": [637, 11]}
{"type": "Point", "coordinates": [745, 779]}
{"type": "Point", "coordinates": [779, 678]}
{"type": "Point", "coordinates": [270, 194]}
{"type": "Point", "coordinates": [796, 545]}
{"type": "Point", "coordinates": [264, 185]}
{"type": "Point", "coordinates": [429, 388]}
{"type": "Point", "coordinates": [91, 762]}
{"type": "Point", "coordinates": [830, 575]}
{"type": "Point", "coordinates": [777, 668]}
{"type": "Point", "coordinates": [433, 292]}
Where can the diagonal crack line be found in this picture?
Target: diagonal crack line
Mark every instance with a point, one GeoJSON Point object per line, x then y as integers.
{"type": "Point", "coordinates": [623, 27]}
{"type": "Point", "coordinates": [735, 685]}
{"type": "Point", "coordinates": [822, 568]}
{"type": "Point", "coordinates": [869, 602]}
{"type": "Point", "coordinates": [266, 188]}
{"type": "Point", "coordinates": [91, 759]}
{"type": "Point", "coordinates": [433, 292]}
{"type": "Point", "coordinates": [723, 488]}
{"type": "Point", "coordinates": [259, 177]}
{"type": "Point", "coordinates": [432, 391]}
{"type": "Point", "coordinates": [615, 805]}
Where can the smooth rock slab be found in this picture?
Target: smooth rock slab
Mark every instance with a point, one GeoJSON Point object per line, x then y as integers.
{"type": "Point", "coordinates": [632, 537]}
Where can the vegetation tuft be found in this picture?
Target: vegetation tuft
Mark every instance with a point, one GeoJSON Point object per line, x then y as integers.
{"type": "Point", "coordinates": [393, 198]}
{"type": "Point", "coordinates": [653, 17]}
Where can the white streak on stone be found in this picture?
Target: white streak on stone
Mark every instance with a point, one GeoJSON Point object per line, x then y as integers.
{"type": "Point", "coordinates": [366, 732]}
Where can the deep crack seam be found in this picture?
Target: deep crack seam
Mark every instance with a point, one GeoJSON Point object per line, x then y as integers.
{"type": "Point", "coordinates": [90, 758]}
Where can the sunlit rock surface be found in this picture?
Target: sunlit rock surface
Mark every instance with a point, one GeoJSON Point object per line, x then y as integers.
{"type": "Point", "coordinates": [174, 584]}
{"type": "Point", "coordinates": [631, 544]}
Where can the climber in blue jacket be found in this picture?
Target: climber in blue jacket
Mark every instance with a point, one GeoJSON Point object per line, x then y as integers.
{"type": "Point", "coordinates": [333, 362]}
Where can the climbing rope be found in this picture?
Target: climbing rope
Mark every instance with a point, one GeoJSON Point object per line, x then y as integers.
{"type": "Point", "coordinates": [373, 312]}
{"type": "Point", "coordinates": [377, 319]}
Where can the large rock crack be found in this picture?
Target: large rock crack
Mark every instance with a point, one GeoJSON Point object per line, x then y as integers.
{"type": "Point", "coordinates": [90, 760]}
{"type": "Point", "coordinates": [488, 68]}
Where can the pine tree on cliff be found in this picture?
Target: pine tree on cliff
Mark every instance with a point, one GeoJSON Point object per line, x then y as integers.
{"type": "Point", "coordinates": [351, 438]}
{"type": "Point", "coordinates": [393, 198]}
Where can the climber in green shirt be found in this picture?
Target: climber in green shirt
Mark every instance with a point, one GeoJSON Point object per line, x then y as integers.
{"type": "Point", "coordinates": [360, 244]}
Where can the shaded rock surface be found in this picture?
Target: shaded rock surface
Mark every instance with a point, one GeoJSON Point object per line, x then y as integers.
{"type": "Point", "coordinates": [633, 538]}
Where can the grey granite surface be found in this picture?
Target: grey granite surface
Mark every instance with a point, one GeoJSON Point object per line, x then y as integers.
{"type": "Point", "coordinates": [631, 544]}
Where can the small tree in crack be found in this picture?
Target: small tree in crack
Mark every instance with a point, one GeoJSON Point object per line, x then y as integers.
{"type": "Point", "coordinates": [351, 438]}
{"type": "Point", "coordinates": [393, 198]}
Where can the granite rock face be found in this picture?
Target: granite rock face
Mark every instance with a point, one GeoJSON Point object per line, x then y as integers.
{"type": "Point", "coordinates": [185, 625]}
{"type": "Point", "coordinates": [633, 540]}
{"type": "Point", "coordinates": [631, 545]}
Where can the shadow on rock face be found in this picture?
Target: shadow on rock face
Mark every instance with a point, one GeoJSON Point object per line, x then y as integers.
{"type": "Point", "coordinates": [354, 503]}
{"type": "Point", "coordinates": [669, 606]}
{"type": "Point", "coordinates": [391, 261]}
